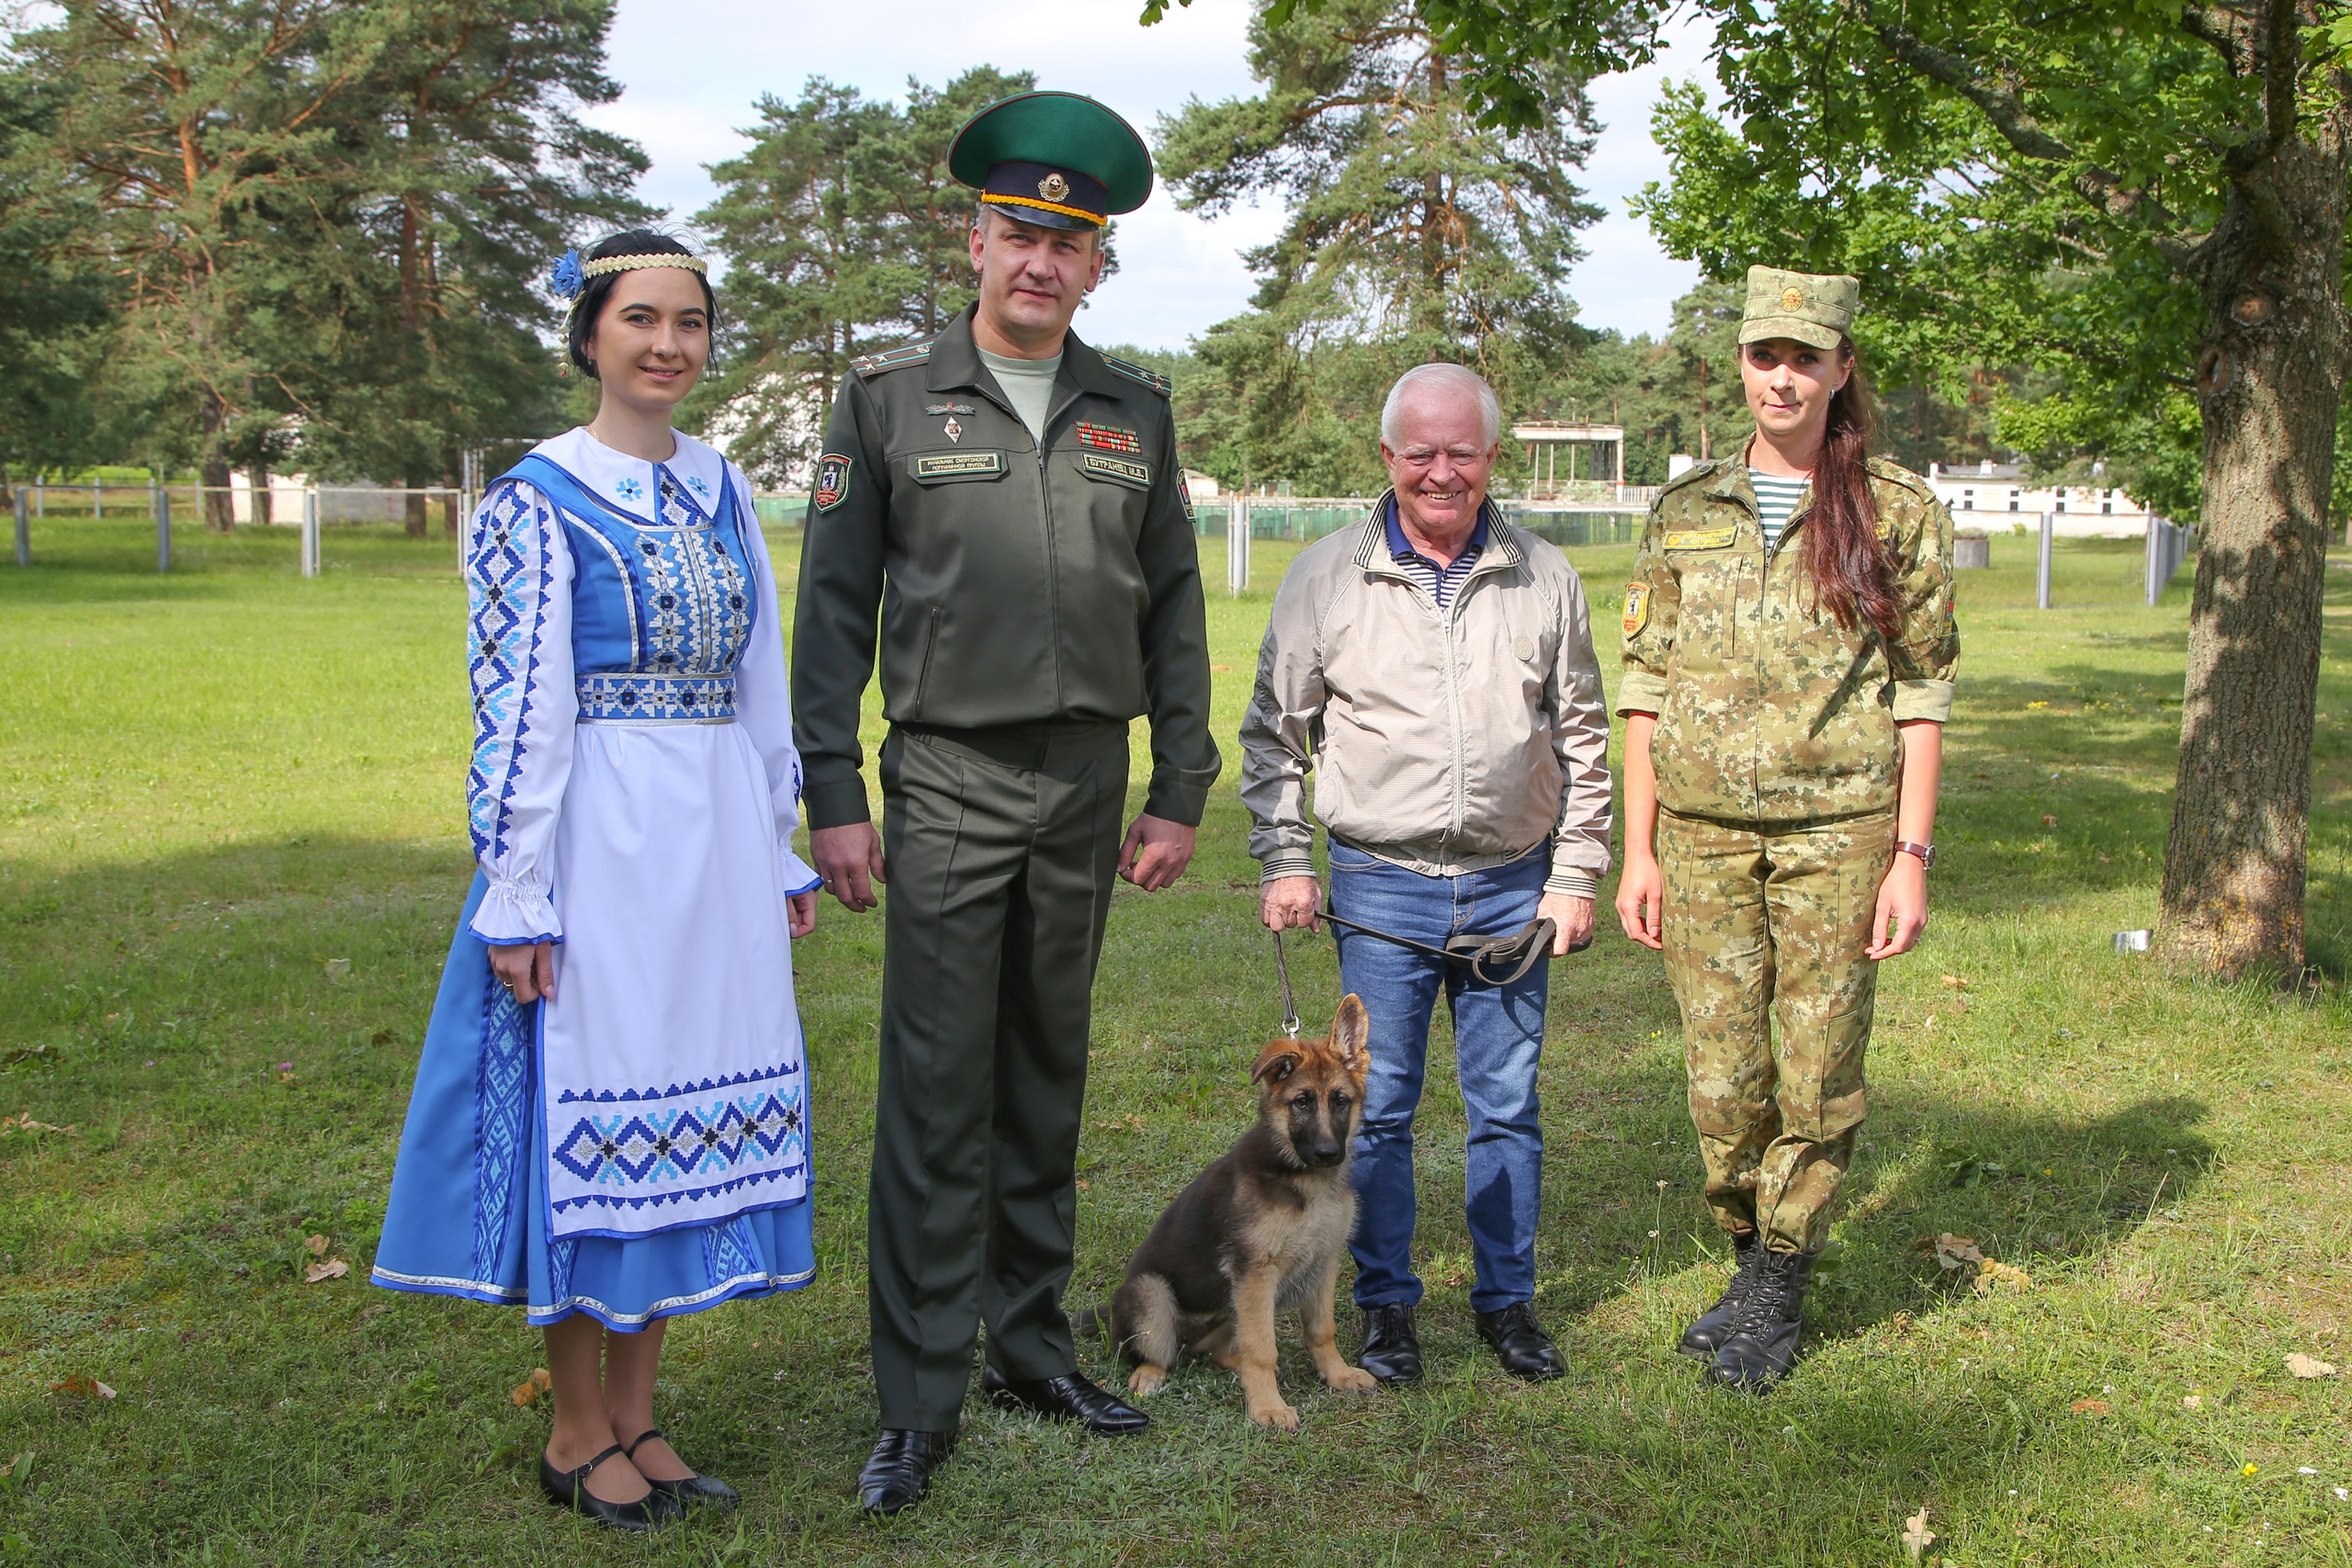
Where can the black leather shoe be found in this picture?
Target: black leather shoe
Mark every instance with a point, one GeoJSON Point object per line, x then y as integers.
{"type": "Point", "coordinates": [1704, 1338]}
{"type": "Point", "coordinates": [690, 1492]}
{"type": "Point", "coordinates": [1391, 1352]}
{"type": "Point", "coordinates": [569, 1489]}
{"type": "Point", "coordinates": [1069, 1397]}
{"type": "Point", "coordinates": [1762, 1344]}
{"type": "Point", "coordinates": [1526, 1351]}
{"type": "Point", "coordinates": [897, 1473]}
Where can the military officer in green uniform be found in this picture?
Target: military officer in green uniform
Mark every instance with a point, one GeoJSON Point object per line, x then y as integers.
{"type": "Point", "coordinates": [1789, 649]}
{"type": "Point", "coordinates": [1006, 501]}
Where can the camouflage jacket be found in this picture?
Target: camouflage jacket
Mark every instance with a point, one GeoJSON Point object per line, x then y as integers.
{"type": "Point", "coordinates": [1768, 710]}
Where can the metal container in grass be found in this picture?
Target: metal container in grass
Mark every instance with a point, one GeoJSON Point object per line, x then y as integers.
{"type": "Point", "coordinates": [1970, 549]}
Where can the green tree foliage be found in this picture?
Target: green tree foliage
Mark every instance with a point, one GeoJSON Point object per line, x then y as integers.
{"type": "Point", "coordinates": [323, 220]}
{"type": "Point", "coordinates": [2149, 196]}
{"type": "Point", "coordinates": [1414, 233]}
{"type": "Point", "coordinates": [52, 310]}
{"type": "Point", "coordinates": [844, 233]}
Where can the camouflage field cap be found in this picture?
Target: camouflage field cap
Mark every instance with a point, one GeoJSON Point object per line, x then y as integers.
{"type": "Point", "coordinates": [1811, 308]}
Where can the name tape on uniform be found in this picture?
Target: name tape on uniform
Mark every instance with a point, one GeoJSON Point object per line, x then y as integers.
{"type": "Point", "coordinates": [1116, 469]}
{"type": "Point", "coordinates": [1699, 538]}
{"type": "Point", "coordinates": [957, 465]}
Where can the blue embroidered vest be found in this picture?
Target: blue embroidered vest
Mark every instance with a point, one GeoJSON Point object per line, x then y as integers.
{"type": "Point", "coordinates": [660, 610]}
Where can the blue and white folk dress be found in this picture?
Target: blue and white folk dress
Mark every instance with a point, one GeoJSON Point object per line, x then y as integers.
{"type": "Point", "coordinates": [637, 1146]}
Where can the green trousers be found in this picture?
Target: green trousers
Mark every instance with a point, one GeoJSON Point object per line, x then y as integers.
{"type": "Point", "coordinates": [1001, 845]}
{"type": "Point", "coordinates": [1765, 929]}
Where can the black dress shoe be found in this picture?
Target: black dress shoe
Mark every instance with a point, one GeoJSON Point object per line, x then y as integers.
{"type": "Point", "coordinates": [1525, 1350]}
{"type": "Point", "coordinates": [1762, 1344]}
{"type": "Point", "coordinates": [1070, 1397]}
{"type": "Point", "coordinates": [1704, 1338]}
{"type": "Point", "coordinates": [897, 1473]}
{"type": "Point", "coordinates": [569, 1489]}
{"type": "Point", "coordinates": [1391, 1352]}
{"type": "Point", "coordinates": [690, 1491]}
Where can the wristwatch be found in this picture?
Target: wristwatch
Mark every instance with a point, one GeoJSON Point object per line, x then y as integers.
{"type": "Point", "coordinates": [1926, 852]}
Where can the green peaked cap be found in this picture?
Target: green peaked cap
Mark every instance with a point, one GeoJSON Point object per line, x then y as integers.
{"type": "Point", "coordinates": [1059, 129]}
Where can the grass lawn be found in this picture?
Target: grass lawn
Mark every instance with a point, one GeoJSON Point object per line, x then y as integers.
{"type": "Point", "coordinates": [231, 852]}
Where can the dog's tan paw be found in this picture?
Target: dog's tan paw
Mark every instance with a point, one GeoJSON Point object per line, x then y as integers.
{"type": "Point", "coordinates": [1353, 1380]}
{"type": "Point", "coordinates": [1146, 1381]}
{"type": "Point", "coordinates": [1280, 1416]}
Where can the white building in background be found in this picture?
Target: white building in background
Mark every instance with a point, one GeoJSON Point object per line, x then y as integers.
{"type": "Point", "coordinates": [1994, 497]}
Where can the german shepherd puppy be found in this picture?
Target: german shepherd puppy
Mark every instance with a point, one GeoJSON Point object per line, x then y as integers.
{"type": "Point", "coordinates": [1260, 1230]}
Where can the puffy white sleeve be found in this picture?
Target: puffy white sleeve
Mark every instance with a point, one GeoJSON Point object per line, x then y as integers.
{"type": "Point", "coordinates": [518, 623]}
{"type": "Point", "coordinates": [764, 696]}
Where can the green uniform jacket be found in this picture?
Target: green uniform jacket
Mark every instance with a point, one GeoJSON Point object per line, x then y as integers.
{"type": "Point", "coordinates": [1015, 583]}
{"type": "Point", "coordinates": [1768, 710]}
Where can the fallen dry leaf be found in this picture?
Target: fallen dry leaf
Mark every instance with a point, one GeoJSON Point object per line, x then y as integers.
{"type": "Point", "coordinates": [2192, 1402]}
{"type": "Point", "coordinates": [1955, 981]}
{"type": "Point", "coordinates": [1916, 1535]}
{"type": "Point", "coordinates": [2049, 821]}
{"type": "Point", "coordinates": [316, 1246]}
{"type": "Point", "coordinates": [2092, 1407]}
{"type": "Point", "coordinates": [1993, 1272]}
{"type": "Point", "coordinates": [527, 1392]}
{"type": "Point", "coordinates": [333, 1269]}
{"type": "Point", "coordinates": [2304, 1366]}
{"type": "Point", "coordinates": [1956, 1252]}
{"type": "Point", "coordinates": [80, 1385]}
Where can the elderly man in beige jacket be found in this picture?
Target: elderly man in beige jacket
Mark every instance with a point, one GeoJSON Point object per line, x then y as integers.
{"type": "Point", "coordinates": [1433, 667]}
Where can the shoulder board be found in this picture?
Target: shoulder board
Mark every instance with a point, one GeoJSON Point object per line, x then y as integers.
{"type": "Point", "coordinates": [1151, 378]}
{"type": "Point", "coordinates": [1895, 473]}
{"type": "Point", "coordinates": [1692, 475]}
{"type": "Point", "coordinates": [873, 364]}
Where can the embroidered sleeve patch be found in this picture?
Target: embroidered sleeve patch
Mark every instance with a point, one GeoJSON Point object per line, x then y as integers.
{"type": "Point", "coordinates": [1108, 437]}
{"type": "Point", "coordinates": [1637, 607]}
{"type": "Point", "coordinates": [957, 465]}
{"type": "Point", "coordinates": [832, 482]}
{"type": "Point", "coordinates": [1116, 469]}
{"type": "Point", "coordinates": [1184, 494]}
{"type": "Point", "coordinates": [1699, 538]}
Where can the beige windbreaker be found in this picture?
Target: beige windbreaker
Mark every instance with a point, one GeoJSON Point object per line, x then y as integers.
{"type": "Point", "coordinates": [1443, 742]}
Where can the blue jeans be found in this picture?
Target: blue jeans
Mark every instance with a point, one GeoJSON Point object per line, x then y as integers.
{"type": "Point", "coordinates": [1499, 1039]}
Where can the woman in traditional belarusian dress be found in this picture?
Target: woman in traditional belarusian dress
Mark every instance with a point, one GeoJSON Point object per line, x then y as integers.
{"type": "Point", "coordinates": [610, 1124]}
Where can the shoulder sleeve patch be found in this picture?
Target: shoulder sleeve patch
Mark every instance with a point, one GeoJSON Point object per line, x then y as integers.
{"type": "Point", "coordinates": [872, 365]}
{"type": "Point", "coordinates": [1151, 378]}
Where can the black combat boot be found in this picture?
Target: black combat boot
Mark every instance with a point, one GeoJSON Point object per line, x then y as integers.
{"type": "Point", "coordinates": [1762, 1344]}
{"type": "Point", "coordinates": [1392, 1351]}
{"type": "Point", "coordinates": [1704, 1337]}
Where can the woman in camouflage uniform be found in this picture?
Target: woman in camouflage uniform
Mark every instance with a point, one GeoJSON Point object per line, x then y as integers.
{"type": "Point", "coordinates": [1789, 649]}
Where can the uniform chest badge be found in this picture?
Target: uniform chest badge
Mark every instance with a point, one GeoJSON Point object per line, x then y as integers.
{"type": "Point", "coordinates": [1106, 437]}
{"type": "Point", "coordinates": [1637, 607]}
{"type": "Point", "coordinates": [948, 407]}
{"type": "Point", "coordinates": [952, 431]}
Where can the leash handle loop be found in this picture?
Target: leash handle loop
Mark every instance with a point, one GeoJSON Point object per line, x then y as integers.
{"type": "Point", "coordinates": [1290, 1010]}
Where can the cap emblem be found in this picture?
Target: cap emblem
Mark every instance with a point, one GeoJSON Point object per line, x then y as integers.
{"type": "Point", "coordinates": [1053, 187]}
{"type": "Point", "coordinates": [1791, 298]}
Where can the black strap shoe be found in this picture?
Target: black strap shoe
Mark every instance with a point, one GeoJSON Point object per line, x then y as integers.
{"type": "Point", "coordinates": [1704, 1337]}
{"type": "Point", "coordinates": [1762, 1344]}
{"type": "Point", "coordinates": [1391, 1352]}
{"type": "Point", "coordinates": [569, 1489]}
{"type": "Point", "coordinates": [707, 1491]}
{"type": "Point", "coordinates": [897, 1473]}
{"type": "Point", "coordinates": [1525, 1350]}
{"type": "Point", "coordinates": [1070, 1397]}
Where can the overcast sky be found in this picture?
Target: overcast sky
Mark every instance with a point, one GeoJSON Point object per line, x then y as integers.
{"type": "Point", "coordinates": [690, 89]}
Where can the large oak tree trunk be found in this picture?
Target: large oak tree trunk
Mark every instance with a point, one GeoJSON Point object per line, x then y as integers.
{"type": "Point", "coordinates": [2268, 386]}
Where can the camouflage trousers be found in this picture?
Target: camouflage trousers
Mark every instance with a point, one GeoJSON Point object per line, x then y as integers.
{"type": "Point", "coordinates": [1764, 929]}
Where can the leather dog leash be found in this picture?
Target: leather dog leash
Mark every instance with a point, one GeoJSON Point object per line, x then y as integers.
{"type": "Point", "coordinates": [1521, 950]}
{"type": "Point", "coordinates": [1290, 1010]}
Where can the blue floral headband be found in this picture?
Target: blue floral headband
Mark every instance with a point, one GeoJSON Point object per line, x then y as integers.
{"type": "Point", "coordinates": [571, 275]}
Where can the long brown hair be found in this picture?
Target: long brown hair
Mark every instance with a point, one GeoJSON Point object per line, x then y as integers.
{"type": "Point", "coordinates": [1842, 553]}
